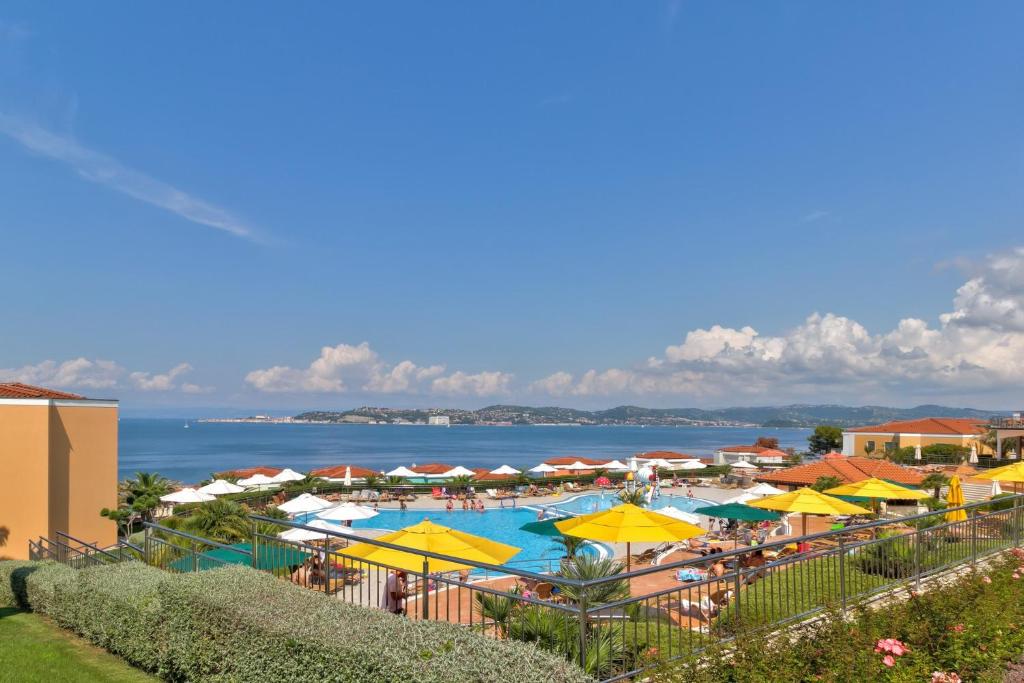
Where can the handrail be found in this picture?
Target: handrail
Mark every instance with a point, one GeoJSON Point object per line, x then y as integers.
{"type": "Point", "coordinates": [425, 553]}
{"type": "Point", "coordinates": [91, 546]}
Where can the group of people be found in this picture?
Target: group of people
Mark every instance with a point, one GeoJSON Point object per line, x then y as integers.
{"type": "Point", "coordinates": [467, 505]}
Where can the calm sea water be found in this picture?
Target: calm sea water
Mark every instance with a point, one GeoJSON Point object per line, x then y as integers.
{"type": "Point", "coordinates": [191, 454]}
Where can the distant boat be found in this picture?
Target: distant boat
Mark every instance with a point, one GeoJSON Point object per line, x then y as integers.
{"type": "Point", "coordinates": [186, 425]}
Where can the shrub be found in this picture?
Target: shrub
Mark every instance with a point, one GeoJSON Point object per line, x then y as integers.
{"type": "Point", "coordinates": [13, 574]}
{"type": "Point", "coordinates": [238, 624]}
{"type": "Point", "coordinates": [48, 590]}
{"type": "Point", "coordinates": [119, 609]}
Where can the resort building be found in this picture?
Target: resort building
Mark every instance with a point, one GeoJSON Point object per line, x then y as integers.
{"type": "Point", "coordinates": [848, 469]}
{"type": "Point", "coordinates": [759, 455]}
{"type": "Point", "coordinates": [439, 420]}
{"type": "Point", "coordinates": [887, 437]}
{"type": "Point", "coordinates": [562, 462]}
{"type": "Point", "coordinates": [337, 472]}
{"type": "Point", "coordinates": [58, 462]}
{"type": "Point", "coordinates": [246, 472]}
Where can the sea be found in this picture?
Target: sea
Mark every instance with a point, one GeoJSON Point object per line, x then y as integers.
{"type": "Point", "coordinates": [192, 454]}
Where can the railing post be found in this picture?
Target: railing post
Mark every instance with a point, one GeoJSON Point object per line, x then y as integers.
{"type": "Point", "coordinates": [582, 606]}
{"type": "Point", "coordinates": [917, 560]}
{"type": "Point", "coordinates": [426, 589]}
{"type": "Point", "coordinates": [147, 552]}
{"type": "Point", "coordinates": [255, 545]}
{"type": "Point", "coordinates": [842, 573]}
{"type": "Point", "coordinates": [737, 585]}
{"type": "Point", "coordinates": [195, 558]}
{"type": "Point", "coordinates": [974, 539]}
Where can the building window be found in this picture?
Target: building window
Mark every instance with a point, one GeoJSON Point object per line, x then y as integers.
{"type": "Point", "coordinates": [869, 447]}
{"type": "Point", "coordinates": [890, 446]}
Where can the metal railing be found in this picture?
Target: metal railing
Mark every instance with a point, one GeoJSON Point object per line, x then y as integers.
{"type": "Point", "coordinates": [615, 626]}
{"type": "Point", "coordinates": [71, 551]}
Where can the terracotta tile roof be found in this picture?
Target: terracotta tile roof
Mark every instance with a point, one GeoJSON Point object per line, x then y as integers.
{"type": "Point", "coordinates": [664, 455]}
{"type": "Point", "coordinates": [928, 425]}
{"type": "Point", "coordinates": [482, 473]}
{"type": "Point", "coordinates": [745, 449]}
{"type": "Point", "coordinates": [555, 462]}
{"type": "Point", "coordinates": [432, 468]}
{"type": "Point", "coordinates": [772, 453]}
{"type": "Point", "coordinates": [247, 472]}
{"type": "Point", "coordinates": [19, 390]}
{"type": "Point", "coordinates": [848, 469]}
{"type": "Point", "coordinates": [338, 471]}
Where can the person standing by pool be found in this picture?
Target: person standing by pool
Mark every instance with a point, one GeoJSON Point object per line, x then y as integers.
{"type": "Point", "coordinates": [449, 506]}
{"type": "Point", "coordinates": [393, 599]}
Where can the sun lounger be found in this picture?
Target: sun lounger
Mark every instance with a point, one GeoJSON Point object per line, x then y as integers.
{"type": "Point", "coordinates": [436, 494]}
{"type": "Point", "coordinates": [355, 495]}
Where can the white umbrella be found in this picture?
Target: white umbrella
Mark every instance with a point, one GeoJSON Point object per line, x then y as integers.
{"type": "Point", "coordinates": [306, 502]}
{"type": "Point", "coordinates": [458, 471]}
{"type": "Point", "coordinates": [187, 496]}
{"type": "Point", "coordinates": [579, 466]}
{"type": "Point", "coordinates": [219, 487]}
{"type": "Point", "coordinates": [742, 498]}
{"type": "Point", "coordinates": [306, 534]}
{"type": "Point", "coordinates": [348, 512]}
{"type": "Point", "coordinates": [996, 488]}
{"type": "Point", "coordinates": [691, 465]}
{"type": "Point", "coordinates": [543, 468]}
{"type": "Point", "coordinates": [257, 480]}
{"type": "Point", "coordinates": [676, 513]}
{"type": "Point", "coordinates": [743, 464]}
{"type": "Point", "coordinates": [917, 452]}
{"type": "Point", "coordinates": [348, 476]}
{"type": "Point", "coordinates": [616, 465]}
{"type": "Point", "coordinates": [661, 463]}
{"type": "Point", "coordinates": [402, 472]}
{"type": "Point", "coordinates": [287, 475]}
{"type": "Point", "coordinates": [505, 469]}
{"type": "Point", "coordinates": [633, 464]}
{"type": "Point", "coordinates": [974, 455]}
{"type": "Point", "coordinates": [764, 490]}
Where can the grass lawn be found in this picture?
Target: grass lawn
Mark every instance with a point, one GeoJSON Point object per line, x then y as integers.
{"type": "Point", "coordinates": [35, 650]}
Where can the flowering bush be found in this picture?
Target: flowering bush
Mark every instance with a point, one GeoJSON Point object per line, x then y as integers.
{"type": "Point", "coordinates": [965, 631]}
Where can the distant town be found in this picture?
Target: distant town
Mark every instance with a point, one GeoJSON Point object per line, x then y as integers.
{"type": "Point", "coordinates": [509, 415]}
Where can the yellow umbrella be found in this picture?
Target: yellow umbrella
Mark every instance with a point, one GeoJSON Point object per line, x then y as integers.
{"type": "Point", "coordinates": [434, 538]}
{"type": "Point", "coordinates": [807, 501]}
{"type": "Point", "coordinates": [1011, 473]}
{"type": "Point", "coordinates": [955, 498]}
{"type": "Point", "coordinates": [877, 489]}
{"type": "Point", "coordinates": [627, 524]}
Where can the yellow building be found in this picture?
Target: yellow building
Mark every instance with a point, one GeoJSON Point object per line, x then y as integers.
{"type": "Point", "coordinates": [883, 438]}
{"type": "Point", "coordinates": [58, 467]}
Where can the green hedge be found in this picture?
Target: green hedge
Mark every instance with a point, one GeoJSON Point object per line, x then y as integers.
{"type": "Point", "coordinates": [237, 624]}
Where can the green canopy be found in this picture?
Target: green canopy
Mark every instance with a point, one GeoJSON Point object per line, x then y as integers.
{"type": "Point", "coordinates": [737, 511]}
{"type": "Point", "coordinates": [545, 527]}
{"type": "Point", "coordinates": [270, 558]}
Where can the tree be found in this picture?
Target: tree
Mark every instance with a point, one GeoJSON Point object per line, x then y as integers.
{"type": "Point", "coordinates": [220, 520]}
{"type": "Point", "coordinates": [572, 545]}
{"type": "Point", "coordinates": [824, 483]}
{"type": "Point", "coordinates": [635, 497]}
{"type": "Point", "coordinates": [767, 442]}
{"type": "Point", "coordinates": [463, 481]}
{"type": "Point", "coordinates": [935, 481]}
{"type": "Point", "coordinates": [589, 567]}
{"type": "Point", "coordinates": [138, 498]}
{"type": "Point", "coordinates": [825, 439]}
{"type": "Point", "coordinates": [371, 481]}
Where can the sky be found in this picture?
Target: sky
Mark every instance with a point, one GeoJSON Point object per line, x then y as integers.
{"type": "Point", "coordinates": [214, 208]}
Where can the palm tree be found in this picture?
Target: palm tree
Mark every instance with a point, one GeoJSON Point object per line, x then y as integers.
{"type": "Point", "coordinates": [498, 608]}
{"type": "Point", "coordinates": [462, 481]}
{"type": "Point", "coordinates": [824, 483]}
{"type": "Point", "coordinates": [935, 481]}
{"type": "Point", "coordinates": [371, 481]}
{"type": "Point", "coordinates": [142, 493]}
{"type": "Point", "coordinates": [394, 481]}
{"type": "Point", "coordinates": [634, 497]}
{"type": "Point", "coordinates": [220, 520]}
{"type": "Point", "coordinates": [522, 479]}
{"type": "Point", "coordinates": [572, 545]}
{"type": "Point", "coordinates": [586, 567]}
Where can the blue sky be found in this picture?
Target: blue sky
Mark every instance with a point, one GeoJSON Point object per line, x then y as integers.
{"type": "Point", "coordinates": [510, 196]}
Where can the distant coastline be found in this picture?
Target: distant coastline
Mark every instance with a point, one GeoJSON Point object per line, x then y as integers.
{"type": "Point", "coordinates": [797, 415]}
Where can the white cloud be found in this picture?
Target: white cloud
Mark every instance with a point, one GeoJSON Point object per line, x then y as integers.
{"type": "Point", "coordinates": [480, 384]}
{"type": "Point", "coordinates": [105, 170]}
{"type": "Point", "coordinates": [82, 373]}
{"type": "Point", "coordinates": [978, 346]}
{"type": "Point", "coordinates": [146, 381]}
{"type": "Point", "coordinates": [78, 372]}
{"type": "Point", "coordinates": [189, 388]}
{"type": "Point", "coordinates": [345, 368]}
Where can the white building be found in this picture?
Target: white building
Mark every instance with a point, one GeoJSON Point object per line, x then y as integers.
{"type": "Point", "coordinates": [439, 420]}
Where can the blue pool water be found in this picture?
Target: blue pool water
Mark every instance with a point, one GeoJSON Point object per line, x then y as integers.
{"type": "Point", "coordinates": [582, 505]}
{"type": "Point", "coordinates": [539, 553]}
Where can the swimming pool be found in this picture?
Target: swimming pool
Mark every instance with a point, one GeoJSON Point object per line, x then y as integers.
{"type": "Point", "coordinates": [539, 553]}
{"type": "Point", "coordinates": [592, 502]}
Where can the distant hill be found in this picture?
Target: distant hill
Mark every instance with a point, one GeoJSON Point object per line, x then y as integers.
{"type": "Point", "coordinates": [796, 415]}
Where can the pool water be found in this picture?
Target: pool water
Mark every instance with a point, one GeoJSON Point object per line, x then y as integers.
{"type": "Point", "coordinates": [592, 502]}
{"type": "Point", "coordinates": [539, 553]}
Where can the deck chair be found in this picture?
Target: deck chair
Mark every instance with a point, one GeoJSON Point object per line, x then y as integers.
{"type": "Point", "coordinates": [355, 495]}
{"type": "Point", "coordinates": [436, 494]}
{"type": "Point", "coordinates": [492, 494]}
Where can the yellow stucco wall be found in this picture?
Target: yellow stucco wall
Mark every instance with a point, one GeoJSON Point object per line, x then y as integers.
{"type": "Point", "coordinates": [83, 443]}
{"type": "Point", "coordinates": [58, 466]}
{"type": "Point", "coordinates": [24, 473]}
{"type": "Point", "coordinates": [904, 440]}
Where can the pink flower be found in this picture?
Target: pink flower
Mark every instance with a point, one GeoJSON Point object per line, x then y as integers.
{"type": "Point", "coordinates": [889, 660]}
{"type": "Point", "coordinates": [899, 649]}
{"type": "Point", "coordinates": [1016, 575]}
{"type": "Point", "coordinates": [985, 579]}
{"type": "Point", "coordinates": [959, 628]}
